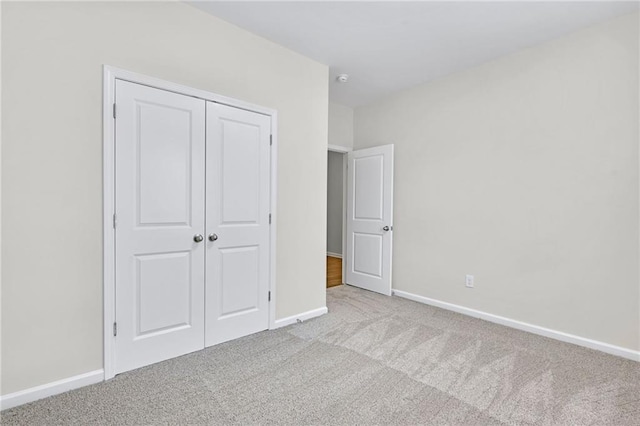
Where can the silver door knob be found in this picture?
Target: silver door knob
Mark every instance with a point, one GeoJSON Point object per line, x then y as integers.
{"type": "Point", "coordinates": [198, 238]}
{"type": "Point", "coordinates": [213, 237]}
{"type": "Point", "coordinates": [385, 229]}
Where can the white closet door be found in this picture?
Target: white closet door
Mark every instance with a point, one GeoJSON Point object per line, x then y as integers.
{"type": "Point", "coordinates": [370, 218]}
{"type": "Point", "coordinates": [238, 173]}
{"type": "Point", "coordinates": [160, 196]}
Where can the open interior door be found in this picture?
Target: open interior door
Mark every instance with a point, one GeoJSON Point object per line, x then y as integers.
{"type": "Point", "coordinates": [370, 218]}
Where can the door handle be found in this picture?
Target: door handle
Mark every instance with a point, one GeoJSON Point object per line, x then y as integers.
{"type": "Point", "coordinates": [213, 237]}
{"type": "Point", "coordinates": [198, 238]}
{"type": "Point", "coordinates": [385, 229]}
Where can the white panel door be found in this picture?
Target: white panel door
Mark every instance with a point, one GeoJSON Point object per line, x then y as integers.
{"type": "Point", "coordinates": [370, 218]}
{"type": "Point", "coordinates": [160, 202]}
{"type": "Point", "coordinates": [238, 184]}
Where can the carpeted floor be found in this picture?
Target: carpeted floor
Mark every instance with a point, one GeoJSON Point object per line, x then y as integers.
{"type": "Point", "coordinates": [372, 360]}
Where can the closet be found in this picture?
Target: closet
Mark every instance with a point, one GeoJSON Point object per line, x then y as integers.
{"type": "Point", "coordinates": [191, 224]}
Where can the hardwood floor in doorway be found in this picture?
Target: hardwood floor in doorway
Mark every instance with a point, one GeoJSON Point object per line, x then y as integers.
{"type": "Point", "coordinates": [334, 271]}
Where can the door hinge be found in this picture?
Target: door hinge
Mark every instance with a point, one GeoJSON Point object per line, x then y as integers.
{"type": "Point", "coordinates": [114, 221]}
{"type": "Point", "coordinates": [270, 140]}
{"type": "Point", "coordinates": [114, 111]}
{"type": "Point", "coordinates": [269, 296]}
{"type": "Point", "coordinates": [269, 218]}
{"type": "Point", "coordinates": [115, 329]}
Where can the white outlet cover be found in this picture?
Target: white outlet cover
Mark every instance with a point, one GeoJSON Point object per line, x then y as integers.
{"type": "Point", "coordinates": [469, 281]}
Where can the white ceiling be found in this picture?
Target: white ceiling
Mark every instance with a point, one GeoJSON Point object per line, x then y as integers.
{"type": "Point", "coordinates": [389, 46]}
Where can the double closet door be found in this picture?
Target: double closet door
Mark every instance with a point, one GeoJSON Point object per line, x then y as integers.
{"type": "Point", "coordinates": [191, 225]}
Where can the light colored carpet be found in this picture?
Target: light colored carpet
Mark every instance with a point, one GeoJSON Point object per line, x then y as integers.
{"type": "Point", "coordinates": [372, 360]}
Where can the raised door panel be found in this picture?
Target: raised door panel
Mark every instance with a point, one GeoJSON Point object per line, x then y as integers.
{"type": "Point", "coordinates": [368, 196]}
{"type": "Point", "coordinates": [164, 166]}
{"type": "Point", "coordinates": [163, 290]}
{"type": "Point", "coordinates": [241, 174]}
{"type": "Point", "coordinates": [240, 280]}
{"type": "Point", "coordinates": [367, 254]}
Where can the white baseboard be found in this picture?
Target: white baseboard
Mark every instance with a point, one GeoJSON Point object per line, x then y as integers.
{"type": "Point", "coordinates": [546, 332]}
{"type": "Point", "coordinates": [338, 255]}
{"type": "Point", "coordinates": [50, 389]}
{"type": "Point", "coordinates": [283, 322]}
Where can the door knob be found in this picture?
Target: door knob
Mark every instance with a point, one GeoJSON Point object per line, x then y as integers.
{"type": "Point", "coordinates": [213, 237]}
{"type": "Point", "coordinates": [385, 229]}
{"type": "Point", "coordinates": [197, 238]}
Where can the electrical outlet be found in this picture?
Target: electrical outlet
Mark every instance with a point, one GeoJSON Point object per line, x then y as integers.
{"type": "Point", "coordinates": [468, 281]}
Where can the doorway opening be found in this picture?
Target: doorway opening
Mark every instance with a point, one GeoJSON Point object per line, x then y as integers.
{"type": "Point", "coordinates": [360, 217]}
{"type": "Point", "coordinates": [336, 197]}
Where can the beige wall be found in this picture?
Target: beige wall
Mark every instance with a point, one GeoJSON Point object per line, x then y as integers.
{"type": "Point", "coordinates": [524, 173]}
{"type": "Point", "coordinates": [340, 125]}
{"type": "Point", "coordinates": [340, 134]}
{"type": "Point", "coordinates": [52, 56]}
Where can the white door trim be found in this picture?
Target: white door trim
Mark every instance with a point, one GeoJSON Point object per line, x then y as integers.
{"type": "Point", "coordinates": [340, 149]}
{"type": "Point", "coordinates": [110, 75]}
{"type": "Point", "coordinates": [344, 151]}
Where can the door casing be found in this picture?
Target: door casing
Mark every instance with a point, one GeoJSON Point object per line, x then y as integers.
{"type": "Point", "coordinates": [110, 75]}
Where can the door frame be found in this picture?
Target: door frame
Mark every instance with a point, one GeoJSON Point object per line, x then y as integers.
{"type": "Point", "coordinates": [110, 75]}
{"type": "Point", "coordinates": [344, 151]}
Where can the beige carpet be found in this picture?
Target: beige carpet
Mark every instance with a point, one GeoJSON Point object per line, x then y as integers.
{"type": "Point", "coordinates": [371, 360]}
